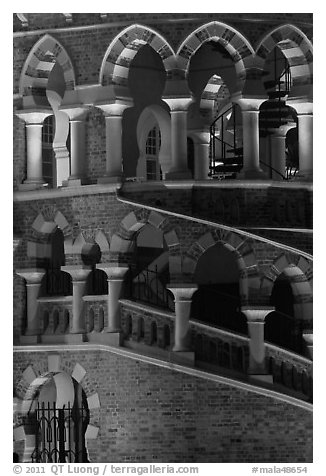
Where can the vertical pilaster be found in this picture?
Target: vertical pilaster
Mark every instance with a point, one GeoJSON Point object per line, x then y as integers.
{"type": "Point", "coordinates": [179, 158]}
{"type": "Point", "coordinates": [113, 130]}
{"type": "Point", "coordinates": [33, 278]}
{"type": "Point", "coordinates": [34, 123]}
{"type": "Point", "coordinates": [250, 127]}
{"type": "Point", "coordinates": [115, 275]}
{"type": "Point", "coordinates": [79, 274]}
{"type": "Point", "coordinates": [278, 161]}
{"type": "Point", "coordinates": [77, 146]}
{"type": "Point", "coordinates": [182, 298]}
{"type": "Point", "coordinates": [256, 321]}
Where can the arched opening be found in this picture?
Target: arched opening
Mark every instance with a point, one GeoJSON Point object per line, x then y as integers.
{"type": "Point", "coordinates": [281, 327]}
{"type": "Point", "coordinates": [141, 329]}
{"type": "Point", "coordinates": [90, 320]}
{"type": "Point", "coordinates": [152, 148]}
{"type": "Point", "coordinates": [166, 337]}
{"type": "Point", "coordinates": [96, 283]}
{"type": "Point", "coordinates": [153, 333]}
{"type": "Point", "coordinates": [146, 80]}
{"type": "Point", "coordinates": [48, 131]}
{"type": "Point", "coordinates": [150, 273]}
{"type": "Point", "coordinates": [100, 319]}
{"type": "Point", "coordinates": [56, 282]}
{"type": "Point", "coordinates": [59, 416]}
{"type": "Point", "coordinates": [217, 300]}
{"type": "Point", "coordinates": [191, 156]}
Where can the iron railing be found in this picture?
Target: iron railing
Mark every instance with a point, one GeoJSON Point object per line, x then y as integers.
{"type": "Point", "coordinates": [59, 434]}
{"type": "Point", "coordinates": [149, 286]}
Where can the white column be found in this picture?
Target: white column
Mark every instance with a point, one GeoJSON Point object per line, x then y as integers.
{"type": "Point", "coordinates": [278, 161]}
{"type": "Point", "coordinates": [182, 298]}
{"type": "Point", "coordinates": [202, 140]}
{"type": "Point", "coordinates": [250, 129]}
{"type": "Point", "coordinates": [77, 146]}
{"type": "Point", "coordinates": [256, 321]}
{"type": "Point", "coordinates": [305, 138]}
{"type": "Point", "coordinates": [115, 276]}
{"type": "Point", "coordinates": [33, 278]}
{"type": "Point", "coordinates": [113, 129]}
{"type": "Point", "coordinates": [79, 276]}
{"type": "Point", "coordinates": [34, 123]}
{"type": "Point", "coordinates": [179, 157]}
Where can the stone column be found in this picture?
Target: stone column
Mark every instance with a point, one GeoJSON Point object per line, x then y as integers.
{"type": "Point", "coordinates": [34, 123]}
{"type": "Point", "coordinates": [79, 275]}
{"type": "Point", "coordinates": [202, 155]}
{"type": "Point", "coordinates": [115, 276]}
{"type": "Point", "coordinates": [250, 127]}
{"type": "Point", "coordinates": [308, 338]}
{"type": "Point", "coordinates": [278, 156]}
{"type": "Point", "coordinates": [77, 146]}
{"type": "Point", "coordinates": [182, 298]}
{"type": "Point", "coordinates": [113, 129]}
{"type": "Point", "coordinates": [256, 321]}
{"type": "Point", "coordinates": [305, 138]}
{"type": "Point", "coordinates": [33, 278]}
{"type": "Point", "coordinates": [179, 157]}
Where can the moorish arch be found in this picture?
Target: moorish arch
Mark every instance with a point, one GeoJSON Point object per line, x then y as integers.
{"type": "Point", "coordinates": [298, 51]}
{"type": "Point", "coordinates": [116, 63]}
{"type": "Point", "coordinates": [42, 59]}
{"type": "Point", "coordinates": [298, 273]}
{"type": "Point", "coordinates": [123, 243]}
{"type": "Point", "coordinates": [249, 280]}
{"type": "Point", "coordinates": [151, 116]}
{"type": "Point", "coordinates": [49, 381]}
{"type": "Point", "coordinates": [228, 37]}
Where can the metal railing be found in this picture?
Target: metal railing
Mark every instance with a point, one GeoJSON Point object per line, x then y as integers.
{"type": "Point", "coordinates": [59, 434]}
{"type": "Point", "coordinates": [149, 286]}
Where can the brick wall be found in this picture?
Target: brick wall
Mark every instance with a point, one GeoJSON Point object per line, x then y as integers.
{"type": "Point", "coordinates": [153, 414]}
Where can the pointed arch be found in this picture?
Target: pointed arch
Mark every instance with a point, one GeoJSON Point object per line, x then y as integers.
{"type": "Point", "coordinates": [46, 52]}
{"type": "Point", "coordinates": [232, 40]}
{"type": "Point", "coordinates": [122, 50]}
{"type": "Point", "coordinates": [297, 49]}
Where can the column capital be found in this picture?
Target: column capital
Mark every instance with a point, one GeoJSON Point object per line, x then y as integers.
{"type": "Point", "coordinates": [77, 272]}
{"type": "Point", "coordinates": [178, 104]}
{"type": "Point", "coordinates": [200, 136]}
{"type": "Point", "coordinates": [31, 275]}
{"type": "Point", "coordinates": [249, 104]}
{"type": "Point", "coordinates": [115, 108]}
{"type": "Point", "coordinates": [282, 130]}
{"type": "Point", "coordinates": [182, 291]}
{"type": "Point", "coordinates": [76, 112]}
{"type": "Point", "coordinates": [34, 117]}
{"type": "Point", "coordinates": [257, 313]}
{"type": "Point", "coordinates": [301, 107]}
{"type": "Point", "coordinates": [113, 272]}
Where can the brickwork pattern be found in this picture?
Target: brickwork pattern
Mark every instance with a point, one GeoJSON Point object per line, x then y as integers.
{"type": "Point", "coordinates": [173, 417]}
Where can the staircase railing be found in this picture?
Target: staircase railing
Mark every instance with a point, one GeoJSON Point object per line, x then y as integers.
{"type": "Point", "coordinates": [146, 286]}
{"type": "Point", "coordinates": [226, 147]}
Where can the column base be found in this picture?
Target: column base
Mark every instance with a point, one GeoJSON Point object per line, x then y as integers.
{"type": "Point", "coordinates": [62, 339]}
{"type": "Point", "coordinates": [114, 339]}
{"type": "Point", "coordinates": [110, 179]}
{"type": "Point", "coordinates": [31, 185]}
{"type": "Point", "coordinates": [303, 176]}
{"type": "Point", "coordinates": [75, 182]}
{"type": "Point", "coordinates": [252, 174]}
{"type": "Point", "coordinates": [267, 378]}
{"type": "Point", "coordinates": [181, 175]}
{"type": "Point", "coordinates": [185, 357]}
{"type": "Point", "coordinates": [29, 339]}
